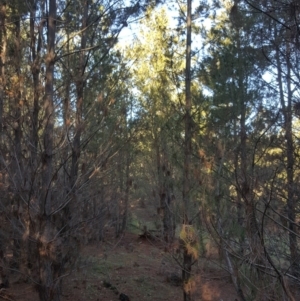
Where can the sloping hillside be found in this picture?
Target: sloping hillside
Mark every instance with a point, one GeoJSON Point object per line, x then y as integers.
{"type": "Point", "coordinates": [138, 268]}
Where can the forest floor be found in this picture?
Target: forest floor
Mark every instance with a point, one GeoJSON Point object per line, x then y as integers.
{"type": "Point", "coordinates": [137, 267]}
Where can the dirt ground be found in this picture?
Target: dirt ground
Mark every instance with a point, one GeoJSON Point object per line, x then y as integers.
{"type": "Point", "coordinates": [139, 268]}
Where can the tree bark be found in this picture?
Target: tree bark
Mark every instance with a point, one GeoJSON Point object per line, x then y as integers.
{"type": "Point", "coordinates": [48, 283]}
{"type": "Point", "coordinates": [245, 184]}
{"type": "Point", "coordinates": [187, 258]}
{"type": "Point", "coordinates": [17, 173]}
{"type": "Point", "coordinates": [3, 40]}
{"type": "Point", "coordinates": [287, 115]}
{"type": "Point", "coordinates": [35, 48]}
{"type": "Point", "coordinates": [76, 150]}
{"type": "Point", "coordinates": [2, 65]}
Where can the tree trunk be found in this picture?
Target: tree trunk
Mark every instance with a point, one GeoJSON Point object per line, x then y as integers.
{"type": "Point", "coordinates": [76, 145]}
{"type": "Point", "coordinates": [35, 47]}
{"type": "Point", "coordinates": [48, 283]}
{"type": "Point", "coordinates": [18, 175]}
{"type": "Point", "coordinates": [290, 151]}
{"type": "Point", "coordinates": [165, 190]}
{"type": "Point", "coordinates": [29, 250]}
{"type": "Point", "coordinates": [3, 271]}
{"type": "Point", "coordinates": [2, 67]}
{"type": "Point", "coordinates": [287, 115]}
{"type": "Point", "coordinates": [233, 271]}
{"type": "Point", "coordinates": [127, 173]}
{"type": "Point", "coordinates": [80, 82]}
{"type": "Point", "coordinates": [246, 184]}
{"type": "Point", "coordinates": [187, 257]}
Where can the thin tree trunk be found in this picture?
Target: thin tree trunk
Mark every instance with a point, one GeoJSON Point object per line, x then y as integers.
{"type": "Point", "coordinates": [188, 118]}
{"type": "Point", "coordinates": [79, 101]}
{"type": "Point", "coordinates": [28, 246]}
{"type": "Point", "coordinates": [3, 271]}
{"type": "Point", "coordinates": [165, 191]}
{"type": "Point", "coordinates": [187, 257]}
{"type": "Point", "coordinates": [49, 287]}
{"type": "Point", "coordinates": [287, 115]}
{"type": "Point", "coordinates": [66, 102]}
{"type": "Point", "coordinates": [76, 145]}
{"type": "Point", "coordinates": [127, 175]}
{"type": "Point", "coordinates": [224, 253]}
{"type": "Point", "coordinates": [35, 47]}
{"type": "Point", "coordinates": [290, 150]}
{"type": "Point", "coordinates": [245, 183]}
{"type": "Point", "coordinates": [240, 215]}
{"type": "Point", "coordinates": [126, 192]}
{"type": "Point", "coordinates": [2, 67]}
{"type": "Point", "coordinates": [17, 173]}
